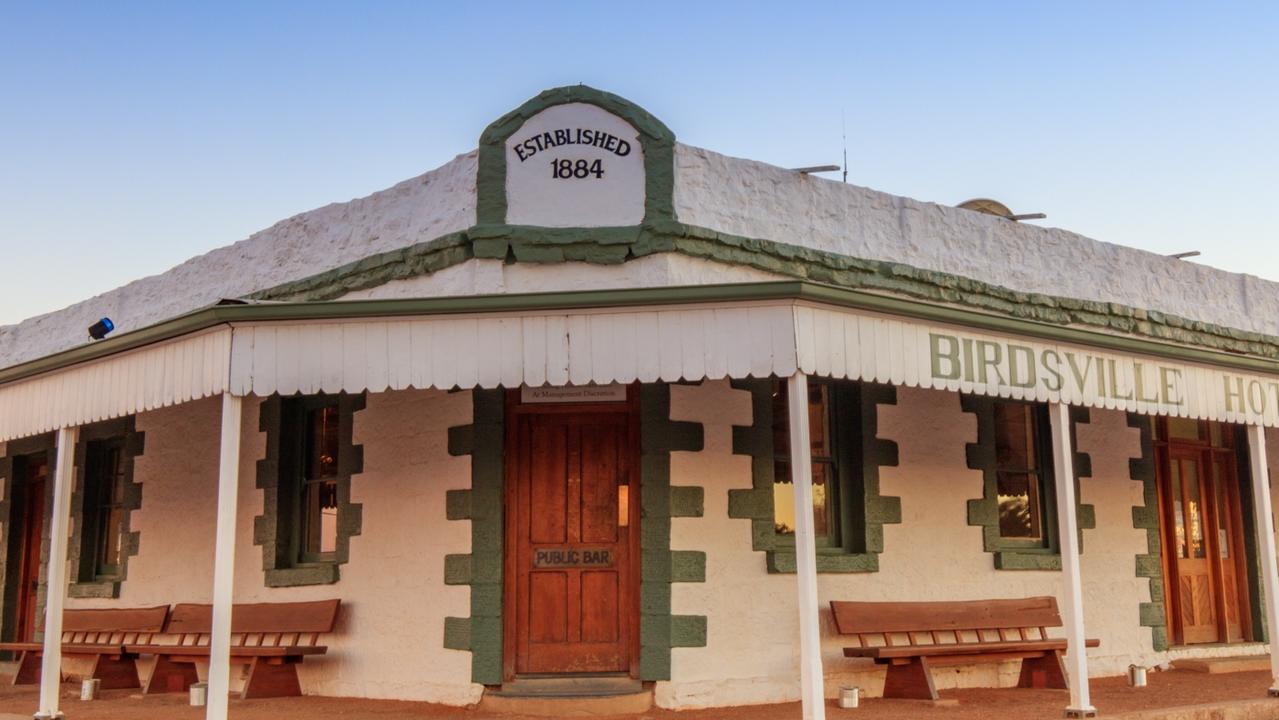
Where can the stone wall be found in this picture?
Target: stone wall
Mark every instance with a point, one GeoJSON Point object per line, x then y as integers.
{"type": "Point", "coordinates": [757, 200]}
{"type": "Point", "coordinates": [934, 554]}
{"type": "Point", "coordinates": [390, 644]}
{"type": "Point", "coordinates": [389, 640]}
{"type": "Point", "coordinates": [421, 208]}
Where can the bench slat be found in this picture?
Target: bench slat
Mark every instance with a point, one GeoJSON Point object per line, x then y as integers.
{"type": "Point", "coordinates": [853, 618]}
{"type": "Point", "coordinates": [902, 651]}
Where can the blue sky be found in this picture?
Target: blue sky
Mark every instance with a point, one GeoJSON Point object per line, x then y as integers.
{"type": "Point", "coordinates": [136, 135]}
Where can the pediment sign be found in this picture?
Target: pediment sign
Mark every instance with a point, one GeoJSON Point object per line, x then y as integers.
{"type": "Point", "coordinates": [575, 157]}
{"type": "Point", "coordinates": [575, 165]}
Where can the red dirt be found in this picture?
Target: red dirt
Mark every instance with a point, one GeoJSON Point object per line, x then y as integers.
{"type": "Point", "coordinates": [1112, 696]}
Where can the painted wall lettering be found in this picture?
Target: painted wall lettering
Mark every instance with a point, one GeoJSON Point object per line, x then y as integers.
{"type": "Point", "coordinates": [1006, 364]}
{"type": "Point", "coordinates": [575, 165]}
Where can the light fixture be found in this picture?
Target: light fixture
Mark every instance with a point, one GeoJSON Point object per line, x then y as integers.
{"type": "Point", "coordinates": [99, 329]}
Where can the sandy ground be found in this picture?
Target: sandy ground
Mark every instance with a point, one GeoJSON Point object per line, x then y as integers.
{"type": "Point", "coordinates": [1111, 696]}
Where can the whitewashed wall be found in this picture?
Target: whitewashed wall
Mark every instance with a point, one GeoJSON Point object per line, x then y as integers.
{"type": "Point", "coordinates": [751, 654]}
{"type": "Point", "coordinates": [418, 209]}
{"type": "Point", "coordinates": [389, 641]}
{"type": "Point", "coordinates": [755, 199]}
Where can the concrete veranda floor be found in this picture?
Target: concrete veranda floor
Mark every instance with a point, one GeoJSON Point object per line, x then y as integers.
{"type": "Point", "coordinates": [1243, 694]}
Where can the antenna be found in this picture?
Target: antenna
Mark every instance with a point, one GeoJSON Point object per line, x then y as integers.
{"type": "Point", "coordinates": [843, 126]}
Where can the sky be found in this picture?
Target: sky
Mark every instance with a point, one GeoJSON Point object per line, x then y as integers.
{"type": "Point", "coordinates": [136, 135]}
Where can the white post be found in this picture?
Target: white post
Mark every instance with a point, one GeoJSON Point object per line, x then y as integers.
{"type": "Point", "coordinates": [51, 663]}
{"type": "Point", "coordinates": [1064, 473]}
{"type": "Point", "coordinates": [1266, 541]}
{"type": "Point", "coordinates": [224, 560]}
{"type": "Point", "coordinates": [812, 693]}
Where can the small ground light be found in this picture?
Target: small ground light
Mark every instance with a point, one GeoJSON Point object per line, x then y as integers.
{"type": "Point", "coordinates": [99, 329]}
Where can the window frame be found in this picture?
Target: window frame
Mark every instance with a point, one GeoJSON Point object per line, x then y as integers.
{"type": "Point", "coordinates": [99, 502]}
{"type": "Point", "coordinates": [1012, 553]}
{"type": "Point", "coordinates": [298, 414]}
{"type": "Point", "coordinates": [89, 577]}
{"type": "Point", "coordinates": [279, 476]}
{"type": "Point", "coordinates": [831, 542]}
{"type": "Point", "coordinates": [846, 506]}
{"type": "Point", "coordinates": [1044, 474]}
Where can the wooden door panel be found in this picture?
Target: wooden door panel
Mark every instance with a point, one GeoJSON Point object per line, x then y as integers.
{"type": "Point", "coordinates": [600, 620]}
{"type": "Point", "coordinates": [572, 564]}
{"type": "Point", "coordinates": [548, 484]}
{"type": "Point", "coordinates": [601, 473]}
{"type": "Point", "coordinates": [548, 607]}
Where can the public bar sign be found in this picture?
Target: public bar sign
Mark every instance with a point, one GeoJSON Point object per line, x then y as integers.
{"type": "Point", "coordinates": [575, 165]}
{"type": "Point", "coordinates": [548, 558]}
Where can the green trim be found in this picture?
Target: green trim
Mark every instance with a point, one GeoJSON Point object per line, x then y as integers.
{"type": "Point", "coordinates": [1265, 357]}
{"type": "Point", "coordinates": [1146, 517]}
{"type": "Point", "coordinates": [483, 441]}
{"type": "Point", "coordinates": [984, 511]}
{"type": "Point", "coordinates": [656, 139]}
{"type": "Point", "coordinates": [11, 533]}
{"type": "Point", "coordinates": [864, 533]}
{"type": "Point", "coordinates": [969, 302]}
{"type": "Point", "coordinates": [85, 582]}
{"type": "Point", "coordinates": [1252, 551]}
{"type": "Point", "coordinates": [273, 529]}
{"type": "Point", "coordinates": [660, 566]}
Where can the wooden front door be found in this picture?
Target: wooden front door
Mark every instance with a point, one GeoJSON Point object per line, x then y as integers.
{"type": "Point", "coordinates": [572, 540]}
{"type": "Point", "coordinates": [32, 476]}
{"type": "Point", "coordinates": [1203, 540]}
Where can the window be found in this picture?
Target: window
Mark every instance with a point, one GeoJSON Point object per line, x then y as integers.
{"type": "Point", "coordinates": [1019, 471]}
{"type": "Point", "coordinates": [1018, 507]}
{"type": "Point", "coordinates": [308, 517]}
{"type": "Point", "coordinates": [104, 484]}
{"type": "Point", "coordinates": [102, 505]}
{"type": "Point", "coordinates": [820, 425]}
{"type": "Point", "coordinates": [318, 496]}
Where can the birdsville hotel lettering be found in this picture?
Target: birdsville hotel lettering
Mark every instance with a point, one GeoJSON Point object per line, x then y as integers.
{"type": "Point", "coordinates": [589, 402]}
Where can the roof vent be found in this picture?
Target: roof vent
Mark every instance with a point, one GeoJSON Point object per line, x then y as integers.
{"type": "Point", "coordinates": [998, 209]}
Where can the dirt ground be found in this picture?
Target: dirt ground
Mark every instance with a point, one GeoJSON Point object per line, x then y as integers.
{"type": "Point", "coordinates": [1112, 696]}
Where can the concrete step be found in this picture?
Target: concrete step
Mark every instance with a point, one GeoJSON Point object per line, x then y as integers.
{"type": "Point", "coordinates": [569, 696]}
{"type": "Point", "coordinates": [1236, 663]}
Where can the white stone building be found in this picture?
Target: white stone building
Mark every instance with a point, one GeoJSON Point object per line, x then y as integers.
{"type": "Point", "coordinates": [527, 415]}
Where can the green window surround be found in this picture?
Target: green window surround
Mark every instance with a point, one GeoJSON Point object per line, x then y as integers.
{"type": "Point", "coordinates": [854, 510]}
{"type": "Point", "coordinates": [102, 506]}
{"type": "Point", "coordinates": [1018, 508]}
{"type": "Point", "coordinates": [308, 518]}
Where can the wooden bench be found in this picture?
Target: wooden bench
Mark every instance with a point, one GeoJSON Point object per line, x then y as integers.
{"type": "Point", "coordinates": [100, 635]}
{"type": "Point", "coordinates": [913, 637]}
{"type": "Point", "coordinates": [271, 638]}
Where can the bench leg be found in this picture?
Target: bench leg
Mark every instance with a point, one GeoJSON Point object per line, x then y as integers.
{"type": "Point", "coordinates": [1046, 671]}
{"type": "Point", "coordinates": [116, 672]}
{"type": "Point", "coordinates": [271, 677]}
{"type": "Point", "coordinates": [913, 679]}
{"type": "Point", "coordinates": [28, 672]}
{"type": "Point", "coordinates": [169, 676]}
